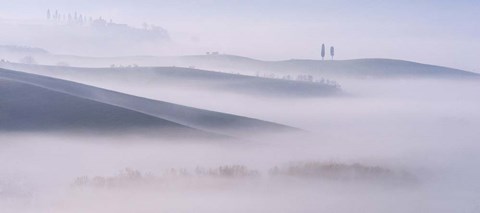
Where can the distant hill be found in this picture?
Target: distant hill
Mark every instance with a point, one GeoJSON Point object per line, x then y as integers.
{"type": "Point", "coordinates": [374, 68]}
{"type": "Point", "coordinates": [50, 103]}
{"type": "Point", "coordinates": [175, 76]}
{"type": "Point", "coordinates": [358, 68]}
{"type": "Point", "coordinates": [91, 36]}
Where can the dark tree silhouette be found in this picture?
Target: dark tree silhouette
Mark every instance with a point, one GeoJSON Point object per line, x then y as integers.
{"type": "Point", "coordinates": [323, 51]}
{"type": "Point", "coordinates": [332, 51]}
{"type": "Point", "coordinates": [49, 15]}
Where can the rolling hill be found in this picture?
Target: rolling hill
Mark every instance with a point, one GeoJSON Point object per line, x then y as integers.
{"type": "Point", "coordinates": [27, 107]}
{"type": "Point", "coordinates": [356, 68]}
{"type": "Point", "coordinates": [374, 68]}
{"type": "Point", "coordinates": [39, 102]}
{"type": "Point", "coordinates": [177, 76]}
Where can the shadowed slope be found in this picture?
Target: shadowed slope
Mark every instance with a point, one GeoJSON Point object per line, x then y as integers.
{"type": "Point", "coordinates": [221, 123]}
{"type": "Point", "coordinates": [25, 107]}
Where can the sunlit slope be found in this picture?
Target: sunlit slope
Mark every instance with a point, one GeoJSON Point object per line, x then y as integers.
{"type": "Point", "coordinates": [210, 121]}
{"type": "Point", "coordinates": [182, 77]}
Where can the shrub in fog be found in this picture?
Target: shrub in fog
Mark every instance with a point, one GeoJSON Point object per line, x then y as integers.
{"type": "Point", "coordinates": [125, 177]}
{"type": "Point", "coordinates": [231, 171]}
{"type": "Point", "coordinates": [230, 174]}
{"type": "Point", "coordinates": [128, 177]}
{"type": "Point", "coordinates": [339, 171]}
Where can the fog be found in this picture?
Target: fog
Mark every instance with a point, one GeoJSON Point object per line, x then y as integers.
{"type": "Point", "coordinates": [228, 106]}
{"type": "Point", "coordinates": [426, 128]}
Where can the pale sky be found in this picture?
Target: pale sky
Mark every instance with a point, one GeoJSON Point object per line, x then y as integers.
{"type": "Point", "coordinates": [442, 32]}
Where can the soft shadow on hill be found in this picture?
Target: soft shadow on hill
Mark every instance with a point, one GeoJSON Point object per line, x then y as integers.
{"type": "Point", "coordinates": [177, 77]}
{"type": "Point", "coordinates": [173, 114]}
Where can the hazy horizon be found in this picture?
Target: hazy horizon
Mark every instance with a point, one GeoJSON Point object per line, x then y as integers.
{"type": "Point", "coordinates": [434, 32]}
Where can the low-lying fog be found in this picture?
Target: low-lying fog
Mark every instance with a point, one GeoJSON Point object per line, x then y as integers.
{"type": "Point", "coordinates": [415, 143]}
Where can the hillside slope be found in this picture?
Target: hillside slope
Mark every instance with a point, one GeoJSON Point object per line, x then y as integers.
{"type": "Point", "coordinates": [210, 121]}
{"type": "Point", "coordinates": [179, 77]}
{"type": "Point", "coordinates": [25, 107]}
{"type": "Point", "coordinates": [374, 68]}
{"type": "Point", "coordinates": [357, 68]}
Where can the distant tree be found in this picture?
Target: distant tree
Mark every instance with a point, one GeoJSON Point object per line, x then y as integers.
{"type": "Point", "coordinates": [49, 15]}
{"type": "Point", "coordinates": [332, 51]}
{"type": "Point", "coordinates": [56, 15]}
{"type": "Point", "coordinates": [323, 51]}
